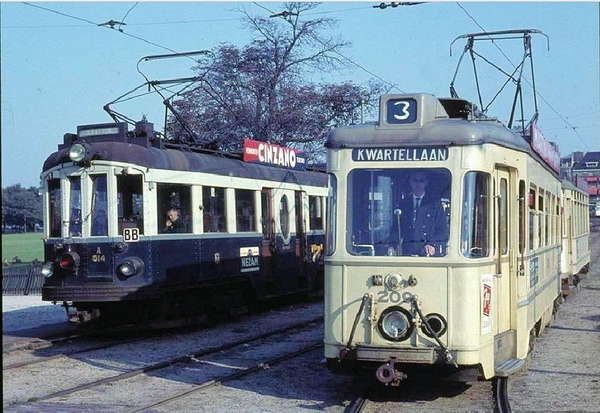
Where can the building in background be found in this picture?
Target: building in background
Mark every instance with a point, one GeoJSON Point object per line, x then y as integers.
{"type": "Point", "coordinates": [584, 171]}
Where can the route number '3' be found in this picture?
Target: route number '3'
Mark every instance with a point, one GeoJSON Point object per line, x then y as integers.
{"type": "Point", "coordinates": [404, 113]}
{"type": "Point", "coordinates": [401, 111]}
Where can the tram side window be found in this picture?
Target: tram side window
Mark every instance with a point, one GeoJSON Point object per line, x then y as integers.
{"type": "Point", "coordinates": [475, 215]}
{"type": "Point", "coordinates": [130, 202]}
{"type": "Point", "coordinates": [540, 212]}
{"type": "Point", "coordinates": [522, 205]}
{"type": "Point", "coordinates": [532, 190]}
{"type": "Point", "coordinates": [75, 207]}
{"type": "Point", "coordinates": [503, 227]}
{"type": "Point", "coordinates": [174, 208]}
{"type": "Point", "coordinates": [547, 213]}
{"type": "Point", "coordinates": [244, 210]}
{"type": "Point", "coordinates": [315, 212]}
{"type": "Point", "coordinates": [55, 200]}
{"type": "Point", "coordinates": [213, 201]}
{"type": "Point", "coordinates": [284, 217]}
{"type": "Point", "coordinates": [99, 206]}
{"type": "Point", "coordinates": [331, 215]}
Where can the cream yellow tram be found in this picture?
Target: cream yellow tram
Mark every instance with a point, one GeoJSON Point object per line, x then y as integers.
{"type": "Point", "coordinates": [465, 279]}
{"type": "Point", "coordinates": [575, 257]}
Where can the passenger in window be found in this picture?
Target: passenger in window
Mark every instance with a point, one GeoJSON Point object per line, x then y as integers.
{"type": "Point", "coordinates": [423, 227]}
{"type": "Point", "coordinates": [174, 222]}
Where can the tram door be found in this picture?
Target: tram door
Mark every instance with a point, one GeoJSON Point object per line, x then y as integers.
{"type": "Point", "coordinates": [268, 247]}
{"type": "Point", "coordinates": [505, 203]}
{"type": "Point", "coordinates": [301, 242]}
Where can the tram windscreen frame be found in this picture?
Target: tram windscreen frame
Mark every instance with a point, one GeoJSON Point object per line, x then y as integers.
{"type": "Point", "coordinates": [381, 215]}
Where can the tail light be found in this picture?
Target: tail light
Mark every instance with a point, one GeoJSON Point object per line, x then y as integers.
{"type": "Point", "coordinates": [69, 261]}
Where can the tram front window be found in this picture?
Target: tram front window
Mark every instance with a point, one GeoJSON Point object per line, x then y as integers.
{"type": "Point", "coordinates": [398, 212]}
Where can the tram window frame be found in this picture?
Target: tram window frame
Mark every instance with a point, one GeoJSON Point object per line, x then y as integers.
{"type": "Point", "coordinates": [315, 212]}
{"type": "Point", "coordinates": [130, 202]}
{"type": "Point", "coordinates": [174, 196]}
{"type": "Point", "coordinates": [476, 215]}
{"type": "Point", "coordinates": [540, 211]}
{"type": "Point", "coordinates": [503, 218]}
{"type": "Point", "coordinates": [284, 218]}
{"type": "Point", "coordinates": [547, 212]}
{"type": "Point", "coordinates": [214, 209]}
{"type": "Point", "coordinates": [522, 216]}
{"type": "Point", "coordinates": [532, 213]}
{"type": "Point", "coordinates": [75, 226]}
{"type": "Point", "coordinates": [557, 222]}
{"type": "Point", "coordinates": [54, 208]}
{"type": "Point", "coordinates": [373, 228]}
{"type": "Point", "coordinates": [331, 211]}
{"type": "Point", "coordinates": [99, 202]}
{"type": "Point", "coordinates": [244, 210]}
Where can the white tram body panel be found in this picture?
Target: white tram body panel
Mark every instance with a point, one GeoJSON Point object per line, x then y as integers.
{"type": "Point", "coordinates": [484, 289]}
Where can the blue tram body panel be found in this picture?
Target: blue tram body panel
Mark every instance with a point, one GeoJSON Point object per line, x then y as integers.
{"type": "Point", "coordinates": [109, 199]}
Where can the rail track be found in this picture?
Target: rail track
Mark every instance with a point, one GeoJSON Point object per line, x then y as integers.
{"type": "Point", "coordinates": [182, 361]}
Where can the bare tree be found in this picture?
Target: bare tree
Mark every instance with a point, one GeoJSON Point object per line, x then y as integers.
{"type": "Point", "coordinates": [260, 91]}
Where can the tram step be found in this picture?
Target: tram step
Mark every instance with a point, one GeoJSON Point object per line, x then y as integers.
{"type": "Point", "coordinates": [509, 367]}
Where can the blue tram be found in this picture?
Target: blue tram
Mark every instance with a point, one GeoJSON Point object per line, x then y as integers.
{"type": "Point", "coordinates": [138, 228]}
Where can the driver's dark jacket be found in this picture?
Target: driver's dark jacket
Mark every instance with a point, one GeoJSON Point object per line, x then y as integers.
{"type": "Point", "coordinates": [429, 227]}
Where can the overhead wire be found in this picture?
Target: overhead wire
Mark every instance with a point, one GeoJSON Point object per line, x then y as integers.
{"type": "Point", "coordinates": [127, 14]}
{"type": "Point", "coordinates": [570, 126]}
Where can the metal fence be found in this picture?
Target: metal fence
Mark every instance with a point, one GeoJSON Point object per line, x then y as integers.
{"type": "Point", "coordinates": [22, 279]}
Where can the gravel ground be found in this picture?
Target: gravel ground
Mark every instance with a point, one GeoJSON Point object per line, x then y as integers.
{"type": "Point", "coordinates": [20, 312]}
{"type": "Point", "coordinates": [564, 374]}
{"type": "Point", "coordinates": [565, 369]}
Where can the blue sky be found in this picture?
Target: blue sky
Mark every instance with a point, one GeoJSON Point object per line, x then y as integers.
{"type": "Point", "coordinates": [59, 70]}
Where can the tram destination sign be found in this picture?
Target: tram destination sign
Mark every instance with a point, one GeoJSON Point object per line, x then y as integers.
{"type": "Point", "coordinates": [429, 154]}
{"type": "Point", "coordinates": [270, 154]}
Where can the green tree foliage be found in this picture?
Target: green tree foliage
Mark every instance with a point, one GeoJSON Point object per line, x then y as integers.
{"type": "Point", "coordinates": [261, 91]}
{"type": "Point", "coordinates": [21, 207]}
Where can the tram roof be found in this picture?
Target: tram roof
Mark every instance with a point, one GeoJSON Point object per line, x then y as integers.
{"type": "Point", "coordinates": [423, 120]}
{"type": "Point", "coordinates": [449, 132]}
{"type": "Point", "coordinates": [176, 159]}
{"type": "Point", "coordinates": [566, 184]}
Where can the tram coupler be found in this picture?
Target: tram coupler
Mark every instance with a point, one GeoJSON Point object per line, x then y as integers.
{"type": "Point", "coordinates": [387, 374]}
{"type": "Point", "coordinates": [82, 317]}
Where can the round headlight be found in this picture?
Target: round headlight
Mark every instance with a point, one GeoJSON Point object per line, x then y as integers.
{"type": "Point", "coordinates": [131, 267]}
{"type": "Point", "coordinates": [47, 269]}
{"type": "Point", "coordinates": [396, 324]}
{"type": "Point", "coordinates": [437, 323]}
{"type": "Point", "coordinates": [77, 152]}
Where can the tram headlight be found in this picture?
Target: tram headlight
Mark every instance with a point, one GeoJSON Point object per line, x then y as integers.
{"type": "Point", "coordinates": [69, 261]}
{"type": "Point", "coordinates": [79, 152]}
{"type": "Point", "coordinates": [130, 267]}
{"type": "Point", "coordinates": [437, 323]}
{"type": "Point", "coordinates": [47, 269]}
{"type": "Point", "coordinates": [395, 324]}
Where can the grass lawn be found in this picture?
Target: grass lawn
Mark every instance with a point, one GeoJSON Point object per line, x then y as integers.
{"type": "Point", "coordinates": [27, 246]}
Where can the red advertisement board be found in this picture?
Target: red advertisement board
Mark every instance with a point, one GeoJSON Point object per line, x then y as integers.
{"type": "Point", "coordinates": [544, 148]}
{"type": "Point", "coordinates": [270, 154]}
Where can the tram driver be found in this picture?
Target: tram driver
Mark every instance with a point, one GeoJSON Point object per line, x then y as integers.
{"type": "Point", "coordinates": [423, 229]}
